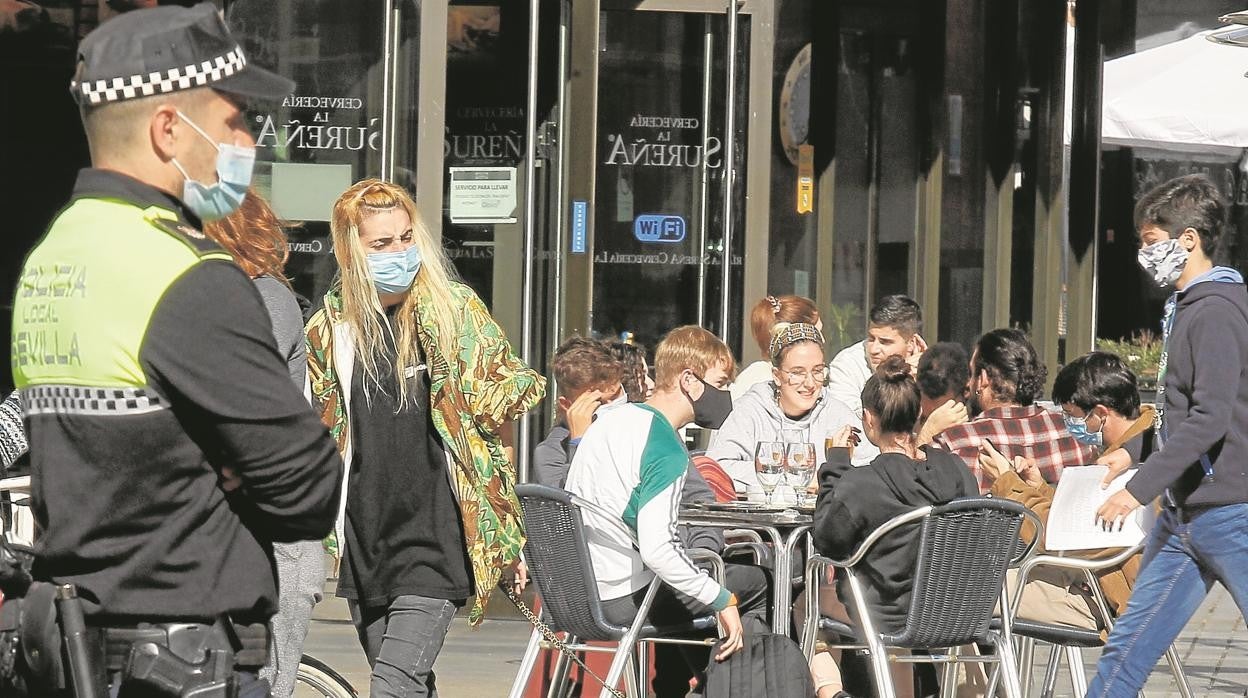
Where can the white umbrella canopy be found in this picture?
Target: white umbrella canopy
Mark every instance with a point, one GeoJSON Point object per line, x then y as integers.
{"type": "Point", "coordinates": [1187, 95]}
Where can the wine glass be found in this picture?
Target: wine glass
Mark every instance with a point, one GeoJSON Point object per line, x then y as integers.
{"type": "Point", "coordinates": [769, 465]}
{"type": "Point", "coordinates": [799, 467]}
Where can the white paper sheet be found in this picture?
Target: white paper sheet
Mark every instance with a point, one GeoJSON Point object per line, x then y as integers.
{"type": "Point", "coordinates": [1072, 518]}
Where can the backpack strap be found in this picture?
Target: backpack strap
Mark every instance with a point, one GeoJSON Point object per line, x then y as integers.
{"type": "Point", "coordinates": [742, 674]}
{"type": "Point", "coordinates": [774, 671]}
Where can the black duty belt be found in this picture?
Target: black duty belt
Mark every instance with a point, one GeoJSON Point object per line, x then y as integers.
{"type": "Point", "coordinates": [249, 642]}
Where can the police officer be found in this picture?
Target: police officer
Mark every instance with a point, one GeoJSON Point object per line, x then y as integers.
{"type": "Point", "coordinates": [169, 447]}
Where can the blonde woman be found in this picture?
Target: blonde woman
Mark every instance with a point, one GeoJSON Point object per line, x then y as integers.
{"type": "Point", "coordinates": [418, 385]}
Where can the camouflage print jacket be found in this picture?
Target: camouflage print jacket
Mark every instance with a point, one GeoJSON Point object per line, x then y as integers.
{"type": "Point", "coordinates": [472, 393]}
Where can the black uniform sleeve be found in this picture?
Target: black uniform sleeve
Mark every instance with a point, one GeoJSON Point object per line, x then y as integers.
{"type": "Point", "coordinates": [209, 348]}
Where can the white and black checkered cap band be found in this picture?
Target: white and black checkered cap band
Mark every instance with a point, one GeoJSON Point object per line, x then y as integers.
{"type": "Point", "coordinates": [77, 400]}
{"type": "Point", "coordinates": [182, 78]}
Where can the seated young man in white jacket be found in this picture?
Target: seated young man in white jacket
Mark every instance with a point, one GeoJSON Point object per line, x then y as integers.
{"type": "Point", "coordinates": [893, 327]}
{"type": "Point", "coordinates": [632, 463]}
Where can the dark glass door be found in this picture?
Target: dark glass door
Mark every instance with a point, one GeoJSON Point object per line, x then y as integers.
{"type": "Point", "coordinates": [353, 64]}
{"type": "Point", "coordinates": [877, 170]}
{"type": "Point", "coordinates": [662, 155]}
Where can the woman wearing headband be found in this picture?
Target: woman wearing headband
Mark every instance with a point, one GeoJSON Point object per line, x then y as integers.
{"type": "Point", "coordinates": [766, 314]}
{"type": "Point", "coordinates": [418, 385]}
{"type": "Point", "coordinates": [796, 399]}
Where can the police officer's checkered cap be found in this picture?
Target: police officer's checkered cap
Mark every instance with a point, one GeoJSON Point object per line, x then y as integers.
{"type": "Point", "coordinates": [167, 49]}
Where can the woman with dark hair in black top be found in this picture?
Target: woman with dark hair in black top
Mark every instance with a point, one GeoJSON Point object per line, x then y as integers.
{"type": "Point", "coordinates": [853, 502]}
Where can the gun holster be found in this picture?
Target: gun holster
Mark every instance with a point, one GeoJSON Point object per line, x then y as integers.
{"type": "Point", "coordinates": [191, 660]}
{"type": "Point", "coordinates": [177, 659]}
{"type": "Point", "coordinates": [159, 668]}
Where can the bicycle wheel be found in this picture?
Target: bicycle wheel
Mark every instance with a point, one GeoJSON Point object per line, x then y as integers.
{"type": "Point", "coordinates": [316, 678]}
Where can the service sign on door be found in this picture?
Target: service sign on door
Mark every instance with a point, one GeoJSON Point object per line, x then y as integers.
{"type": "Point", "coordinates": [483, 194]}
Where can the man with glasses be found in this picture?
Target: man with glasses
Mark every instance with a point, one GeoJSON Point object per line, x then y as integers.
{"type": "Point", "coordinates": [1100, 402]}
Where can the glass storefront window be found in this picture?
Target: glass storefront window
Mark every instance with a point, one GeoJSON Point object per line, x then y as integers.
{"type": "Point", "coordinates": [484, 148]}
{"type": "Point", "coordinates": [878, 141]}
{"type": "Point", "coordinates": [334, 129]}
{"type": "Point", "coordinates": [658, 247]}
{"type": "Point", "coordinates": [853, 176]}
{"type": "Point", "coordinates": [793, 216]}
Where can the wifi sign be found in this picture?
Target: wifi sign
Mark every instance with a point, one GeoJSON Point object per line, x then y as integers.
{"type": "Point", "coordinates": [655, 227]}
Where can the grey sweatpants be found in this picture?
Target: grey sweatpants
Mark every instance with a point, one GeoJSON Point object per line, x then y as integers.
{"type": "Point", "coordinates": [300, 583]}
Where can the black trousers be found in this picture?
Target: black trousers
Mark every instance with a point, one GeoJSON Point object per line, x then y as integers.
{"type": "Point", "coordinates": [674, 665]}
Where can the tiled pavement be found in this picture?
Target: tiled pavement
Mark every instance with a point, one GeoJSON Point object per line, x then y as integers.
{"type": "Point", "coordinates": [483, 662]}
{"type": "Point", "coordinates": [473, 663]}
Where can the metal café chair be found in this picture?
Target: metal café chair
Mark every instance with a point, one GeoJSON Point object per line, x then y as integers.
{"type": "Point", "coordinates": [964, 550]}
{"type": "Point", "coordinates": [557, 554]}
{"type": "Point", "coordinates": [1070, 641]}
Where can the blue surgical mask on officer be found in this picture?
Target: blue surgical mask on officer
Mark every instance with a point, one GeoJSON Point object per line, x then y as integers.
{"type": "Point", "coordinates": [394, 272]}
{"type": "Point", "coordinates": [234, 165]}
{"type": "Point", "coordinates": [1078, 428]}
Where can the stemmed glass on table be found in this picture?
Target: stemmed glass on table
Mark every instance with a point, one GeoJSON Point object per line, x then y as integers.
{"type": "Point", "coordinates": [769, 464]}
{"type": "Point", "coordinates": [799, 467]}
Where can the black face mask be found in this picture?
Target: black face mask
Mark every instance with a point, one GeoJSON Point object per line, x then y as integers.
{"type": "Point", "coordinates": [710, 410]}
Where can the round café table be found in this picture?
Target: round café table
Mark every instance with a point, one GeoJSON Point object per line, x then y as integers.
{"type": "Point", "coordinates": [784, 528]}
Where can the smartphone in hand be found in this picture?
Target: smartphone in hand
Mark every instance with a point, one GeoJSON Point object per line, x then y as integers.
{"type": "Point", "coordinates": [992, 446]}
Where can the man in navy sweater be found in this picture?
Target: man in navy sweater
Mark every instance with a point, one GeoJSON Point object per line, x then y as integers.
{"type": "Point", "coordinates": [1199, 472]}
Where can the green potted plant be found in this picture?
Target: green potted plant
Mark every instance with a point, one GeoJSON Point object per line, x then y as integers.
{"type": "Point", "coordinates": [1142, 354]}
{"type": "Point", "coordinates": [841, 326]}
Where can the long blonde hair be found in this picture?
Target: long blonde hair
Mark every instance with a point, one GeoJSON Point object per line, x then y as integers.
{"type": "Point", "coordinates": [361, 307]}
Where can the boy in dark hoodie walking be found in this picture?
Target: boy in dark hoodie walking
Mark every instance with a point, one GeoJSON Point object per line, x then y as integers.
{"type": "Point", "coordinates": [1202, 409]}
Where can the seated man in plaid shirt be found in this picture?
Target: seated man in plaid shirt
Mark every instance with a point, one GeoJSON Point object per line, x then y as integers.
{"type": "Point", "coordinates": [1006, 380]}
